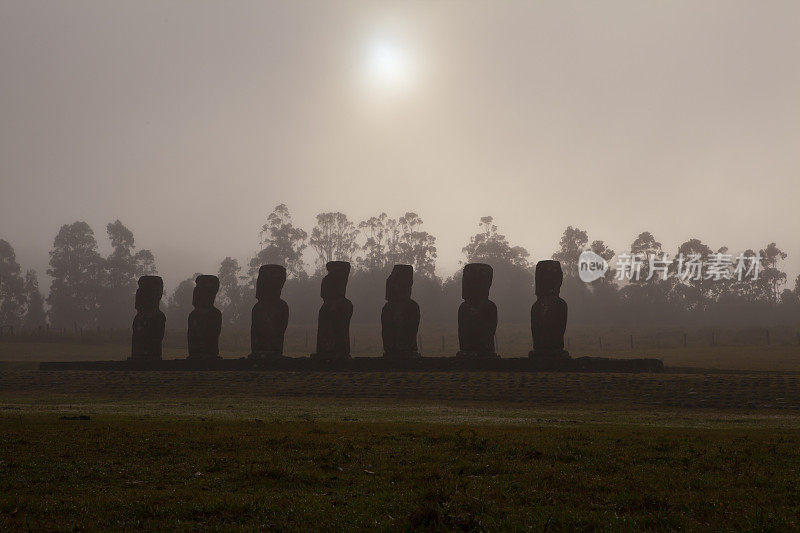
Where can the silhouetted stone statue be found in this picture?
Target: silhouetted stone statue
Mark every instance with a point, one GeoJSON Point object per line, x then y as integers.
{"type": "Point", "coordinates": [477, 315]}
{"type": "Point", "coordinates": [400, 315]}
{"type": "Point", "coordinates": [333, 326]}
{"type": "Point", "coordinates": [205, 322]}
{"type": "Point", "coordinates": [149, 322]}
{"type": "Point", "coordinates": [549, 312]}
{"type": "Point", "coordinates": [270, 315]}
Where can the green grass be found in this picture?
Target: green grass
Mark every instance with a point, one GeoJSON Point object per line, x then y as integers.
{"type": "Point", "coordinates": [408, 451]}
{"type": "Point", "coordinates": [299, 464]}
{"type": "Point", "coordinates": [776, 392]}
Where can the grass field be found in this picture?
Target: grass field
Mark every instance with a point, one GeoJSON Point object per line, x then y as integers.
{"type": "Point", "coordinates": [349, 464]}
{"type": "Point", "coordinates": [443, 451]}
{"type": "Point", "coordinates": [778, 392]}
{"type": "Point", "coordinates": [690, 448]}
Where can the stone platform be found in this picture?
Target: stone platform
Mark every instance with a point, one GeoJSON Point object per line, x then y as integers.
{"type": "Point", "coordinates": [374, 364]}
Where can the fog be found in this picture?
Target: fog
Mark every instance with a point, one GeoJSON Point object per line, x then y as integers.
{"type": "Point", "coordinates": [189, 121]}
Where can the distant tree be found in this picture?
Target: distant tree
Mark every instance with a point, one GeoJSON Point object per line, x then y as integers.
{"type": "Point", "coordinates": [600, 248]}
{"type": "Point", "coordinates": [145, 263]}
{"type": "Point", "coordinates": [789, 298]}
{"type": "Point", "coordinates": [645, 247]}
{"type": "Point", "coordinates": [572, 243]}
{"type": "Point", "coordinates": [231, 298]}
{"type": "Point", "coordinates": [747, 289]}
{"type": "Point", "coordinates": [719, 289]}
{"type": "Point", "coordinates": [691, 289]}
{"type": "Point", "coordinates": [123, 267]}
{"type": "Point", "coordinates": [771, 275]}
{"type": "Point", "coordinates": [179, 304]}
{"type": "Point", "coordinates": [35, 315]}
{"type": "Point", "coordinates": [388, 242]}
{"type": "Point", "coordinates": [512, 286]}
{"type": "Point", "coordinates": [281, 243]}
{"type": "Point", "coordinates": [489, 246]}
{"type": "Point", "coordinates": [415, 247]}
{"type": "Point", "coordinates": [381, 244]}
{"type": "Point", "coordinates": [77, 272]}
{"type": "Point", "coordinates": [12, 293]}
{"type": "Point", "coordinates": [333, 238]}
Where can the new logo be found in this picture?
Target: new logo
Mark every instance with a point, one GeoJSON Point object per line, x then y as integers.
{"type": "Point", "coordinates": [591, 266]}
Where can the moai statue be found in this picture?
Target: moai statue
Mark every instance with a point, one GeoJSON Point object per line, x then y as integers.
{"type": "Point", "coordinates": [205, 322]}
{"type": "Point", "coordinates": [333, 326]}
{"type": "Point", "coordinates": [400, 315]}
{"type": "Point", "coordinates": [270, 315]}
{"type": "Point", "coordinates": [477, 315]}
{"type": "Point", "coordinates": [149, 322]}
{"type": "Point", "coordinates": [549, 312]}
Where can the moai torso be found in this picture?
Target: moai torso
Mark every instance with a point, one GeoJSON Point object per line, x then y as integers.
{"type": "Point", "coordinates": [477, 315]}
{"type": "Point", "coordinates": [205, 321]}
{"type": "Point", "coordinates": [400, 315]}
{"type": "Point", "coordinates": [549, 312]}
{"type": "Point", "coordinates": [149, 322]}
{"type": "Point", "coordinates": [333, 326]}
{"type": "Point", "coordinates": [270, 314]}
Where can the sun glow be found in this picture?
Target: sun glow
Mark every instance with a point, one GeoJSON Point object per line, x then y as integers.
{"type": "Point", "coordinates": [387, 66]}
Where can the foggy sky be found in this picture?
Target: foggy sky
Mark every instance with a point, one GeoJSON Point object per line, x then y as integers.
{"type": "Point", "coordinates": [189, 121]}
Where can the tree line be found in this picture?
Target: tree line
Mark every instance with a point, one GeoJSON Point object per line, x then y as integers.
{"type": "Point", "coordinates": [89, 290]}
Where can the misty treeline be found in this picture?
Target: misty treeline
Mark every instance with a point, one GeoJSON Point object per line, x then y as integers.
{"type": "Point", "coordinates": [89, 290]}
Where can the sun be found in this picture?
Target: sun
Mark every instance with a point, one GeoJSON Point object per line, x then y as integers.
{"type": "Point", "coordinates": [387, 65]}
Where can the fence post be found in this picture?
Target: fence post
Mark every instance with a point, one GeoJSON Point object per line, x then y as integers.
{"type": "Point", "coordinates": [306, 339]}
{"type": "Point", "coordinates": [600, 340]}
{"type": "Point", "coordinates": [631, 342]}
{"type": "Point", "coordinates": [767, 336]}
{"type": "Point", "coordinates": [713, 338]}
{"type": "Point", "coordinates": [684, 340]}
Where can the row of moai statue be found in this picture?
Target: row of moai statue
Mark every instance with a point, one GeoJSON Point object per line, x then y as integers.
{"type": "Point", "coordinates": [477, 315]}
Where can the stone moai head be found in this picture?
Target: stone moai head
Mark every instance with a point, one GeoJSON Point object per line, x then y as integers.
{"type": "Point", "coordinates": [548, 278]}
{"type": "Point", "coordinates": [399, 283]}
{"type": "Point", "coordinates": [476, 282]}
{"type": "Point", "coordinates": [270, 282]}
{"type": "Point", "coordinates": [205, 291]}
{"type": "Point", "coordinates": [149, 293]}
{"type": "Point", "coordinates": [334, 284]}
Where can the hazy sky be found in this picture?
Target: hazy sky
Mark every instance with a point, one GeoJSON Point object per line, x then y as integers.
{"type": "Point", "coordinates": [190, 121]}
